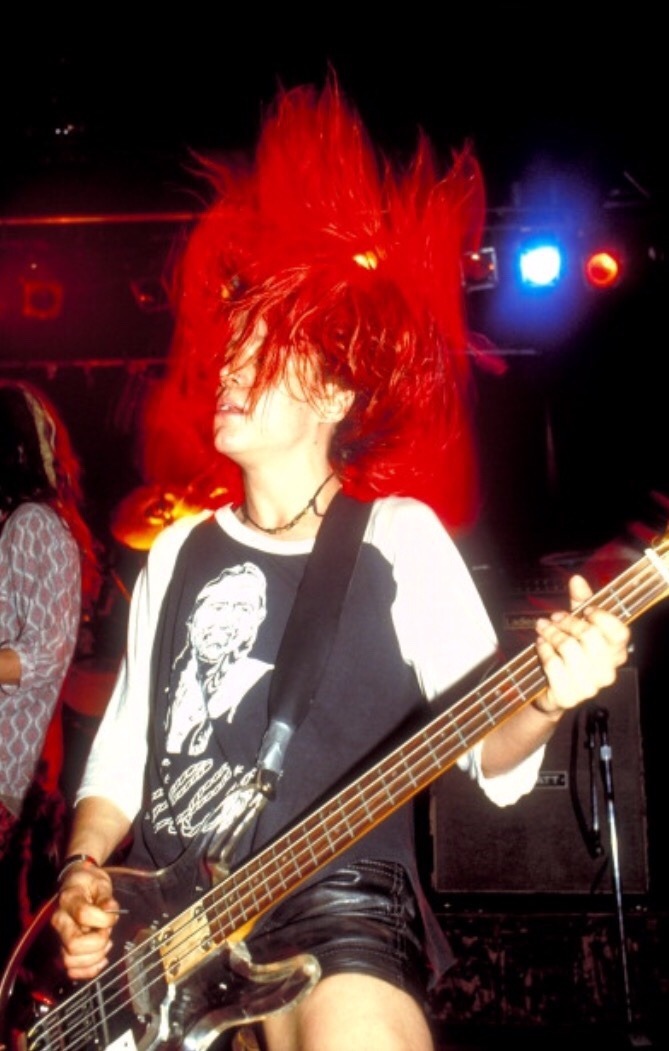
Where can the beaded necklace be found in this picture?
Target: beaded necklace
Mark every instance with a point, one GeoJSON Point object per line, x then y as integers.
{"type": "Point", "coordinates": [246, 517]}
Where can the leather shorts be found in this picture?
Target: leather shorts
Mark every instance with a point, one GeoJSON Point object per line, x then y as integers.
{"type": "Point", "coordinates": [363, 918]}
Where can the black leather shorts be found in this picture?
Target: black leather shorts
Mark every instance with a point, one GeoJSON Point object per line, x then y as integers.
{"type": "Point", "coordinates": [363, 918]}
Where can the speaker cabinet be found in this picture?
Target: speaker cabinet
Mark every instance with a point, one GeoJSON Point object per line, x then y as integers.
{"type": "Point", "coordinates": [561, 837]}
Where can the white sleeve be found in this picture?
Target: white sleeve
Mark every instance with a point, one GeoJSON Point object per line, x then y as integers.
{"type": "Point", "coordinates": [116, 762]}
{"type": "Point", "coordinates": [504, 789]}
{"type": "Point", "coordinates": [442, 625]}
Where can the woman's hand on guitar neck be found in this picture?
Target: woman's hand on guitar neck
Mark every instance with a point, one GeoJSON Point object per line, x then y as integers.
{"type": "Point", "coordinates": [84, 918]}
{"type": "Point", "coordinates": [580, 652]}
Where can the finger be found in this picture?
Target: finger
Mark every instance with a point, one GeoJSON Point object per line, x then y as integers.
{"type": "Point", "coordinates": [579, 591]}
{"type": "Point", "coordinates": [561, 628]}
{"type": "Point", "coordinates": [93, 943]}
{"type": "Point", "coordinates": [571, 675]}
{"type": "Point", "coordinates": [95, 917]}
{"type": "Point", "coordinates": [585, 646]}
{"type": "Point", "coordinates": [577, 659]}
{"type": "Point", "coordinates": [564, 689]}
{"type": "Point", "coordinates": [605, 633]}
{"type": "Point", "coordinates": [80, 966]}
{"type": "Point", "coordinates": [614, 631]}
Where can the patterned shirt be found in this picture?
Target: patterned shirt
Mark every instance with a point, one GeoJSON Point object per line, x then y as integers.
{"type": "Point", "coordinates": [40, 608]}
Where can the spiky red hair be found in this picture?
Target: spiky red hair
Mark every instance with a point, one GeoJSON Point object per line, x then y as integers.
{"type": "Point", "coordinates": [355, 264]}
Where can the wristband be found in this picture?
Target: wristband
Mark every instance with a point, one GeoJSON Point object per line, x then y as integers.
{"type": "Point", "coordinates": [75, 859]}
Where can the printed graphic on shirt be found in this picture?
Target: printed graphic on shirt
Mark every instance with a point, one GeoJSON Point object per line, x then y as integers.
{"type": "Point", "coordinates": [210, 679]}
{"type": "Point", "coordinates": [220, 669]}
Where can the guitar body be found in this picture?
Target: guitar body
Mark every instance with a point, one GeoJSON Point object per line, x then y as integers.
{"type": "Point", "coordinates": [145, 999]}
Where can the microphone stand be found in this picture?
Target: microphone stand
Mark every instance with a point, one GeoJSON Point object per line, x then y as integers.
{"type": "Point", "coordinates": [597, 725]}
{"type": "Point", "coordinates": [595, 847]}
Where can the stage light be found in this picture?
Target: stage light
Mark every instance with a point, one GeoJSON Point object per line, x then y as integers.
{"type": "Point", "coordinates": [150, 295]}
{"type": "Point", "coordinates": [41, 300]}
{"type": "Point", "coordinates": [602, 268]}
{"type": "Point", "coordinates": [479, 269]}
{"type": "Point", "coordinates": [540, 265]}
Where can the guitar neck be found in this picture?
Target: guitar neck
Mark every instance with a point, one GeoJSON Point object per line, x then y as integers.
{"type": "Point", "coordinates": [260, 883]}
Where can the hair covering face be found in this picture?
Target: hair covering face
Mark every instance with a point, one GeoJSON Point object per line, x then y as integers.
{"type": "Point", "coordinates": [354, 266]}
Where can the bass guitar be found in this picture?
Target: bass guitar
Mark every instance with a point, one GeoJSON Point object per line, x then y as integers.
{"type": "Point", "coordinates": [181, 976]}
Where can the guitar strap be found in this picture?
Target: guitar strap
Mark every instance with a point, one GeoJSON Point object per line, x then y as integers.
{"type": "Point", "coordinates": [303, 652]}
{"type": "Point", "coordinates": [311, 627]}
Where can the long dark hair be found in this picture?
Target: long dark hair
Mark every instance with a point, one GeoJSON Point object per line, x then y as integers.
{"type": "Point", "coordinates": [38, 464]}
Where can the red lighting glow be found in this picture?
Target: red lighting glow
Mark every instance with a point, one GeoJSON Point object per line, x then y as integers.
{"type": "Point", "coordinates": [602, 269]}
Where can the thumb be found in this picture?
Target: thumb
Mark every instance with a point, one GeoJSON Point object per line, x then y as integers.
{"type": "Point", "coordinates": [579, 591]}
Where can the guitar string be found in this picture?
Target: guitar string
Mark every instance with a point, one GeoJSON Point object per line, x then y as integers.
{"type": "Point", "coordinates": [480, 719]}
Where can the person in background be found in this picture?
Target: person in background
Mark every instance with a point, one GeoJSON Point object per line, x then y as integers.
{"type": "Point", "coordinates": [48, 574]}
{"type": "Point", "coordinates": [321, 326]}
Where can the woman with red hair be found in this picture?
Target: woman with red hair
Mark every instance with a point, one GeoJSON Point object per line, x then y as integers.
{"type": "Point", "coordinates": [321, 323]}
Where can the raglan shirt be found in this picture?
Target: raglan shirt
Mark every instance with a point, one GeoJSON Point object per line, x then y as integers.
{"type": "Point", "coordinates": [412, 628]}
{"type": "Point", "coordinates": [40, 608]}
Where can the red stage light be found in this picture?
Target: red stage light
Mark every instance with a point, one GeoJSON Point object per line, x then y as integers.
{"type": "Point", "coordinates": [602, 269]}
{"type": "Point", "coordinates": [41, 300]}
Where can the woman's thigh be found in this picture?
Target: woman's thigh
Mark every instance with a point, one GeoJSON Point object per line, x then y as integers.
{"type": "Point", "coordinates": [351, 1012]}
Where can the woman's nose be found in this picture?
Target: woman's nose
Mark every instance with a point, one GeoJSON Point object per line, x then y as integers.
{"type": "Point", "coordinates": [229, 377]}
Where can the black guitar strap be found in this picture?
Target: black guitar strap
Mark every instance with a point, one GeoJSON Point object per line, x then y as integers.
{"type": "Point", "coordinates": [311, 627]}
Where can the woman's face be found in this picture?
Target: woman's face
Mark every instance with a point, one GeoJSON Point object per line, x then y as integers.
{"type": "Point", "coordinates": [282, 419]}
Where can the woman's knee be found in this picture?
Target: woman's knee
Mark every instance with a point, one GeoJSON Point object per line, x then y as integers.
{"type": "Point", "coordinates": [352, 1011]}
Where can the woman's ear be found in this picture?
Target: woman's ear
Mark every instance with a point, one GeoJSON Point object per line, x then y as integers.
{"type": "Point", "coordinates": [335, 403]}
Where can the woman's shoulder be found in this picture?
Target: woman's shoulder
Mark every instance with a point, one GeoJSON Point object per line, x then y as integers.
{"type": "Point", "coordinates": [32, 515]}
{"type": "Point", "coordinates": [169, 541]}
{"type": "Point", "coordinates": [406, 512]}
{"type": "Point", "coordinates": [37, 533]}
{"type": "Point", "coordinates": [410, 532]}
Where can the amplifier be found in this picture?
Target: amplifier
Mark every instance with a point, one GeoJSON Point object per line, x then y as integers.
{"type": "Point", "coordinates": [558, 838]}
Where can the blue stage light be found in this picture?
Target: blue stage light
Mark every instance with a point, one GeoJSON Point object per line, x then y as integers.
{"type": "Point", "coordinates": [540, 265]}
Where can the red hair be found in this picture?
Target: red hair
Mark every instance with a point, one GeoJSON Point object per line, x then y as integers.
{"type": "Point", "coordinates": [352, 263]}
